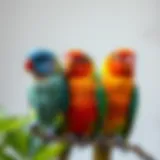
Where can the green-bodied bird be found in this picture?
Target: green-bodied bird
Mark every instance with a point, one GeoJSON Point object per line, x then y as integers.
{"type": "Point", "coordinates": [48, 95]}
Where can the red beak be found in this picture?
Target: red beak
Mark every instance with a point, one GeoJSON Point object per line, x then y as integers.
{"type": "Point", "coordinates": [28, 65]}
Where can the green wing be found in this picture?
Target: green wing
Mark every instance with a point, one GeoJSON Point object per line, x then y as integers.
{"type": "Point", "coordinates": [65, 95]}
{"type": "Point", "coordinates": [132, 112]}
{"type": "Point", "coordinates": [61, 123]}
{"type": "Point", "coordinates": [102, 105]}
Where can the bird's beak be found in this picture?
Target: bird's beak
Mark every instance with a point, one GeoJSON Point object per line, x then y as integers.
{"type": "Point", "coordinates": [28, 65]}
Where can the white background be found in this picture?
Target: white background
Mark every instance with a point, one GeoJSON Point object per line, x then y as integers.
{"type": "Point", "coordinates": [97, 26]}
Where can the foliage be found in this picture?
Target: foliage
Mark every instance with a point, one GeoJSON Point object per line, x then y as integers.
{"type": "Point", "coordinates": [15, 138]}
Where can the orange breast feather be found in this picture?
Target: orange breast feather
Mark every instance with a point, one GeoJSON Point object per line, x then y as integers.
{"type": "Point", "coordinates": [118, 105]}
{"type": "Point", "coordinates": [82, 92]}
{"type": "Point", "coordinates": [82, 112]}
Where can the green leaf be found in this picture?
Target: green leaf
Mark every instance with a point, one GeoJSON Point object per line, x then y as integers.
{"type": "Point", "coordinates": [4, 155]}
{"type": "Point", "coordinates": [20, 141]}
{"type": "Point", "coordinates": [50, 151]}
{"type": "Point", "coordinates": [14, 135]}
{"type": "Point", "coordinates": [12, 123]}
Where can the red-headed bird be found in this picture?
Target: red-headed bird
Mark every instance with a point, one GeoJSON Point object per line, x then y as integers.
{"type": "Point", "coordinates": [82, 113]}
{"type": "Point", "coordinates": [118, 78]}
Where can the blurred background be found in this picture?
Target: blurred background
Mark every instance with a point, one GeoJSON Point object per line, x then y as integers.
{"type": "Point", "coordinates": [97, 26]}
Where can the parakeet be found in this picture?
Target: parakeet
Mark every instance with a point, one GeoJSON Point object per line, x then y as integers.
{"type": "Point", "coordinates": [118, 78]}
{"type": "Point", "coordinates": [82, 110]}
{"type": "Point", "coordinates": [48, 95]}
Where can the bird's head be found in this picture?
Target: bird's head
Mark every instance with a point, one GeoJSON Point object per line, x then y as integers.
{"type": "Point", "coordinates": [121, 62]}
{"type": "Point", "coordinates": [40, 63]}
{"type": "Point", "coordinates": [78, 63]}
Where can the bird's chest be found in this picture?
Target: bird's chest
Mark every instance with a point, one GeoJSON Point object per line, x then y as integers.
{"type": "Point", "coordinates": [82, 92]}
{"type": "Point", "coordinates": [43, 94]}
{"type": "Point", "coordinates": [46, 107]}
{"type": "Point", "coordinates": [47, 96]}
{"type": "Point", "coordinates": [119, 94]}
{"type": "Point", "coordinates": [119, 97]}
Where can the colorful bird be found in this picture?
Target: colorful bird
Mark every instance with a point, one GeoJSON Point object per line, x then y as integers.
{"type": "Point", "coordinates": [118, 78]}
{"type": "Point", "coordinates": [48, 96]}
{"type": "Point", "coordinates": [83, 112]}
